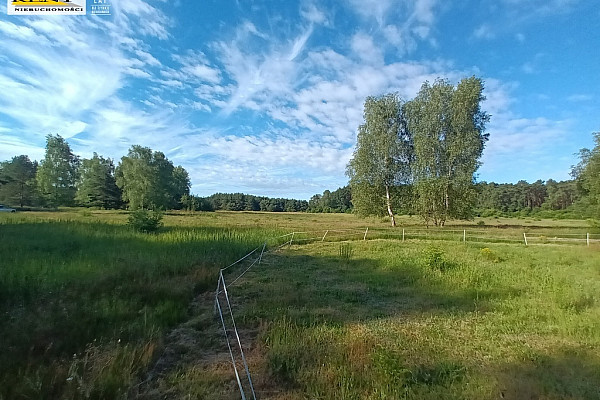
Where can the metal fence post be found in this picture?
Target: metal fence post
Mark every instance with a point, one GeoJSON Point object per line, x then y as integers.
{"type": "Point", "coordinates": [587, 238]}
{"type": "Point", "coordinates": [464, 235]}
{"type": "Point", "coordinates": [217, 291]}
{"type": "Point", "coordinates": [525, 237]}
{"type": "Point", "coordinates": [366, 231]}
{"type": "Point", "coordinates": [261, 253]}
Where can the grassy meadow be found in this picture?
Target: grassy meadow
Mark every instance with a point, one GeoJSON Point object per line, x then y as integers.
{"type": "Point", "coordinates": [89, 306]}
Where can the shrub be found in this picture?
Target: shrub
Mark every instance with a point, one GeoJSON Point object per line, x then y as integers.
{"type": "Point", "coordinates": [489, 255]}
{"type": "Point", "coordinates": [145, 221]}
{"type": "Point", "coordinates": [481, 223]}
{"type": "Point", "coordinates": [433, 257]}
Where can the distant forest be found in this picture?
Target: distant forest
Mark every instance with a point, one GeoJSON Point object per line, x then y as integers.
{"type": "Point", "coordinates": [550, 199]}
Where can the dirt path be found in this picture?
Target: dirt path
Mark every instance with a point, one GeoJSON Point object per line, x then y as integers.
{"type": "Point", "coordinates": [196, 348]}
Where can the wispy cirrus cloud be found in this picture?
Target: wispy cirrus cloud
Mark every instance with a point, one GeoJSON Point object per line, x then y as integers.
{"type": "Point", "coordinates": [60, 86]}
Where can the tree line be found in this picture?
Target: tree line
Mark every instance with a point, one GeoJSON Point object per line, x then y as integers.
{"type": "Point", "coordinates": [552, 199]}
{"type": "Point", "coordinates": [243, 202]}
{"type": "Point", "coordinates": [142, 179]}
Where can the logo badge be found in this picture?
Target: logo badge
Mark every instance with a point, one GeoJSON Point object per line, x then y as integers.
{"type": "Point", "coordinates": [100, 7]}
{"type": "Point", "coordinates": [46, 7]}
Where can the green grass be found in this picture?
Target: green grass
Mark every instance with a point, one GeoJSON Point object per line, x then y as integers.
{"type": "Point", "coordinates": [83, 298]}
{"type": "Point", "coordinates": [426, 320]}
{"type": "Point", "coordinates": [86, 304]}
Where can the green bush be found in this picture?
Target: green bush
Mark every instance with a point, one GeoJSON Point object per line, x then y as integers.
{"type": "Point", "coordinates": [489, 255]}
{"type": "Point", "coordinates": [481, 223]}
{"type": "Point", "coordinates": [433, 257]}
{"type": "Point", "coordinates": [145, 221]}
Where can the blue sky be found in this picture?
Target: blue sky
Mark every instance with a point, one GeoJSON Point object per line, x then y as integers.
{"type": "Point", "coordinates": [265, 97]}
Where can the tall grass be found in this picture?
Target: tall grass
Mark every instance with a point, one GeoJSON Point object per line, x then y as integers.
{"type": "Point", "coordinates": [85, 302]}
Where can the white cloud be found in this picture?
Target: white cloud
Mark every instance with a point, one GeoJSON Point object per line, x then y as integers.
{"type": "Point", "coordinates": [17, 31]}
{"type": "Point", "coordinates": [376, 9]}
{"type": "Point", "coordinates": [530, 145]}
{"type": "Point", "coordinates": [311, 13]}
{"type": "Point", "coordinates": [580, 97]}
{"type": "Point", "coordinates": [364, 47]}
{"type": "Point", "coordinates": [401, 23]}
{"type": "Point", "coordinates": [484, 31]}
{"type": "Point", "coordinates": [528, 68]}
{"type": "Point", "coordinates": [64, 86]}
{"type": "Point", "coordinates": [423, 11]}
{"type": "Point", "coordinates": [147, 58]}
{"type": "Point", "coordinates": [11, 146]}
{"type": "Point", "coordinates": [535, 8]}
{"type": "Point", "coordinates": [141, 17]}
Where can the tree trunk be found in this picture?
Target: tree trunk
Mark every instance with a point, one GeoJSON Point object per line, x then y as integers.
{"type": "Point", "coordinates": [389, 205]}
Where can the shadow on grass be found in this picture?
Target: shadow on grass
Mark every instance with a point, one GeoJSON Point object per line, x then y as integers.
{"type": "Point", "coordinates": [327, 289]}
{"type": "Point", "coordinates": [567, 373]}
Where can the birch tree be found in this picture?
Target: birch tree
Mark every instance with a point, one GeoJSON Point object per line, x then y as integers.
{"type": "Point", "coordinates": [447, 125]}
{"type": "Point", "coordinates": [382, 156]}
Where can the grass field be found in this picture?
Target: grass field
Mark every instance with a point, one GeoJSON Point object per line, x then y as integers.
{"type": "Point", "coordinates": [87, 305]}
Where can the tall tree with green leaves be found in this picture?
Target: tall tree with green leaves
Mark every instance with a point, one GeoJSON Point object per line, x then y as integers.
{"type": "Point", "coordinates": [97, 186]}
{"type": "Point", "coordinates": [135, 177]}
{"type": "Point", "coordinates": [149, 180]}
{"type": "Point", "coordinates": [587, 173]}
{"type": "Point", "coordinates": [17, 181]}
{"type": "Point", "coordinates": [382, 158]}
{"type": "Point", "coordinates": [180, 186]}
{"type": "Point", "coordinates": [447, 126]}
{"type": "Point", "coordinates": [57, 174]}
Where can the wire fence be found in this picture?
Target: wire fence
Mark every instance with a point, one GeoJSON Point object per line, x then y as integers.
{"type": "Point", "coordinates": [236, 270]}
